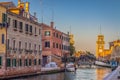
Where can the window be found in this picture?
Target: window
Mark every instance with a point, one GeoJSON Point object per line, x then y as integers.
{"type": "Point", "coordinates": [19, 44]}
{"type": "Point", "coordinates": [8, 64]}
{"type": "Point", "coordinates": [59, 46]}
{"type": "Point", "coordinates": [57, 35]}
{"type": "Point", "coordinates": [60, 36]}
{"type": "Point", "coordinates": [39, 61]}
{"type": "Point", "coordinates": [30, 62]}
{"type": "Point", "coordinates": [25, 45]}
{"type": "Point", "coordinates": [13, 44]}
{"type": "Point", "coordinates": [20, 25]}
{"type": "Point", "coordinates": [0, 60]}
{"type": "Point", "coordinates": [3, 38]}
{"type": "Point", "coordinates": [26, 27]}
{"type": "Point", "coordinates": [4, 17]}
{"type": "Point", "coordinates": [47, 44]}
{"type": "Point", "coordinates": [26, 62]}
{"type": "Point", "coordinates": [35, 62]}
{"type": "Point", "coordinates": [29, 46]}
{"type": "Point", "coordinates": [15, 23]}
{"type": "Point", "coordinates": [14, 62]}
{"type": "Point", "coordinates": [34, 46]}
{"type": "Point", "coordinates": [47, 33]}
{"type": "Point", "coordinates": [31, 28]}
{"type": "Point", "coordinates": [20, 62]}
{"type": "Point", "coordinates": [62, 47]}
{"type": "Point", "coordinates": [56, 45]}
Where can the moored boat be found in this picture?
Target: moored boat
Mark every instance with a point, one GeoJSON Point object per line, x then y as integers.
{"type": "Point", "coordinates": [102, 64]}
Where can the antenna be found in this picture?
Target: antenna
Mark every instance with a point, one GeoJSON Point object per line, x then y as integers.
{"type": "Point", "coordinates": [70, 29]}
{"type": "Point", "coordinates": [52, 15]}
{"type": "Point", "coordinates": [41, 4]}
{"type": "Point", "coordinates": [100, 28]}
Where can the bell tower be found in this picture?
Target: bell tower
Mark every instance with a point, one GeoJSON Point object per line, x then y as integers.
{"type": "Point", "coordinates": [100, 46]}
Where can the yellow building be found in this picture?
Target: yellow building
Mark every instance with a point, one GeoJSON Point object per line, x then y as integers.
{"type": "Point", "coordinates": [100, 46]}
{"type": "Point", "coordinates": [20, 40]}
{"type": "Point", "coordinates": [101, 52]}
{"type": "Point", "coordinates": [3, 19]}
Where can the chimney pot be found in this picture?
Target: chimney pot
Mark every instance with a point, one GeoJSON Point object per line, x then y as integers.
{"type": "Point", "coordinates": [52, 24]}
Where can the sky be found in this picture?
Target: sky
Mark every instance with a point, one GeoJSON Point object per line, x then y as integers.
{"type": "Point", "coordinates": [82, 18]}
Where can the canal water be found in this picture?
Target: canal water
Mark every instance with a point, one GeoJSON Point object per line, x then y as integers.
{"type": "Point", "coordinates": [81, 74]}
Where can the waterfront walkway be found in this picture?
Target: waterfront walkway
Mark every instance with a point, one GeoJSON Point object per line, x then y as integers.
{"type": "Point", "coordinates": [115, 75]}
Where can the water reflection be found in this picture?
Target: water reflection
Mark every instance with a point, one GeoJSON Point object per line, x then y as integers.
{"type": "Point", "coordinates": [101, 73]}
{"type": "Point", "coordinates": [81, 74]}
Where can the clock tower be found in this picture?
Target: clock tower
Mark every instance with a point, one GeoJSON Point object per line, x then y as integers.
{"type": "Point", "coordinates": [100, 46]}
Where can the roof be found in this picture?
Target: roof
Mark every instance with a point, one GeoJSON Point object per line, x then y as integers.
{"type": "Point", "coordinates": [8, 4]}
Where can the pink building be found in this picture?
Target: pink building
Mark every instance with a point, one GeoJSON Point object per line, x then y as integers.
{"type": "Point", "coordinates": [54, 44]}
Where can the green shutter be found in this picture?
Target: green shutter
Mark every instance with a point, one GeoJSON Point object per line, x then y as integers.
{"type": "Point", "coordinates": [35, 63]}
{"type": "Point", "coordinates": [8, 62]}
{"type": "Point", "coordinates": [4, 17]}
{"type": "Point", "coordinates": [14, 62]}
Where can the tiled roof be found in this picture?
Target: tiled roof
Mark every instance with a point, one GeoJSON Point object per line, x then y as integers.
{"type": "Point", "coordinates": [7, 4]}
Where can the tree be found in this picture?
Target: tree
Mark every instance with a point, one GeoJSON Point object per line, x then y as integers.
{"type": "Point", "coordinates": [72, 50]}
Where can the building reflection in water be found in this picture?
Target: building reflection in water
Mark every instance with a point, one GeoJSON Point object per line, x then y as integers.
{"type": "Point", "coordinates": [101, 73]}
{"type": "Point", "coordinates": [81, 74]}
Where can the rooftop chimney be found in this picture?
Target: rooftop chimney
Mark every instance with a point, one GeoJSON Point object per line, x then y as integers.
{"type": "Point", "coordinates": [52, 24]}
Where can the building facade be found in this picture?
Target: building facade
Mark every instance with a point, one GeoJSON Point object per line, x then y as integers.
{"type": "Point", "coordinates": [20, 40]}
{"type": "Point", "coordinates": [112, 52]}
{"type": "Point", "coordinates": [54, 44]}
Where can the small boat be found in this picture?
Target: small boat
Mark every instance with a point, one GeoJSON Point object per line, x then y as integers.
{"type": "Point", "coordinates": [70, 67]}
{"type": "Point", "coordinates": [102, 64]}
{"type": "Point", "coordinates": [50, 66]}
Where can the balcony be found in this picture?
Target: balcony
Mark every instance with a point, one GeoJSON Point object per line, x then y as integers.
{"type": "Point", "coordinates": [30, 51]}
{"type": "Point", "coordinates": [20, 30]}
{"type": "Point", "coordinates": [40, 52]}
{"type": "Point", "coordinates": [20, 51]}
{"type": "Point", "coordinates": [15, 28]}
{"type": "Point", "coordinates": [26, 32]}
{"type": "Point", "coordinates": [14, 50]}
{"type": "Point", "coordinates": [36, 35]}
{"type": "Point", "coordinates": [30, 33]}
{"type": "Point", "coordinates": [26, 51]}
{"type": "Point", "coordinates": [35, 51]}
{"type": "Point", "coordinates": [9, 51]}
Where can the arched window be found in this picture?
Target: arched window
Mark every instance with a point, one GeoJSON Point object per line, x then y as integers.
{"type": "Point", "coordinates": [3, 38]}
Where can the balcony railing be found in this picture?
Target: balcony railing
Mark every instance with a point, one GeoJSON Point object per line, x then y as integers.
{"type": "Point", "coordinates": [14, 50]}
{"type": "Point", "coordinates": [20, 51]}
{"type": "Point", "coordinates": [15, 28]}
{"type": "Point", "coordinates": [35, 51]}
{"type": "Point", "coordinates": [31, 33]}
{"type": "Point", "coordinates": [20, 30]}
